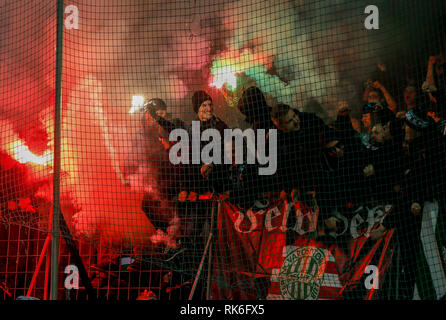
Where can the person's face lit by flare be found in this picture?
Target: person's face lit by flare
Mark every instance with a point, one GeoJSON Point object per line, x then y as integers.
{"type": "Point", "coordinates": [373, 96]}
{"type": "Point", "coordinates": [380, 134]}
{"type": "Point", "coordinates": [366, 120]}
{"type": "Point", "coordinates": [161, 113]}
{"type": "Point", "coordinates": [410, 95]}
{"type": "Point", "coordinates": [290, 122]}
{"type": "Point", "coordinates": [206, 110]}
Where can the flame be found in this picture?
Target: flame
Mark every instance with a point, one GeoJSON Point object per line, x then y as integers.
{"type": "Point", "coordinates": [23, 155]}
{"type": "Point", "coordinates": [137, 103]}
{"type": "Point", "coordinates": [230, 64]}
{"type": "Point", "coordinates": [225, 75]}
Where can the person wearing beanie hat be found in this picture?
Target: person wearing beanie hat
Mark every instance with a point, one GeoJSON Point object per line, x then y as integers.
{"type": "Point", "coordinates": [203, 107]}
{"type": "Point", "coordinates": [198, 98]}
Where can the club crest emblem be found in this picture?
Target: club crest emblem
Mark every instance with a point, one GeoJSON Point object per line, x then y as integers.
{"type": "Point", "coordinates": [302, 273]}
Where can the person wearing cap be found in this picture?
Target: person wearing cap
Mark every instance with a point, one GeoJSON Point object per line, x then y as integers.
{"type": "Point", "coordinates": [159, 107]}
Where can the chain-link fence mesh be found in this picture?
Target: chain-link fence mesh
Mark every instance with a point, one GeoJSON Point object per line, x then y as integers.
{"type": "Point", "coordinates": [336, 190]}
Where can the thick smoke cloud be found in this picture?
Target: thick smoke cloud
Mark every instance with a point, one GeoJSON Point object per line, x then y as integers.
{"type": "Point", "coordinates": [307, 54]}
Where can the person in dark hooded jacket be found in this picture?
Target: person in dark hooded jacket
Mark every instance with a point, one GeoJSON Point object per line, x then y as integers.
{"type": "Point", "coordinates": [423, 183]}
{"type": "Point", "coordinates": [298, 148]}
{"type": "Point", "coordinates": [386, 159]}
{"type": "Point", "coordinates": [255, 108]}
{"type": "Point", "coordinates": [341, 184]}
{"type": "Point", "coordinates": [426, 151]}
{"type": "Point", "coordinates": [240, 182]}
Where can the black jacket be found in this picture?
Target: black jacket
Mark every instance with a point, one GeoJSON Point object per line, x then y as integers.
{"type": "Point", "coordinates": [242, 181]}
{"type": "Point", "coordinates": [189, 176]}
{"type": "Point", "coordinates": [426, 173]}
{"type": "Point", "coordinates": [299, 155]}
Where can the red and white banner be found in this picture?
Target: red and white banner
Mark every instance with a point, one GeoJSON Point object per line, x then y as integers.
{"type": "Point", "coordinates": [307, 271]}
{"type": "Point", "coordinates": [252, 259]}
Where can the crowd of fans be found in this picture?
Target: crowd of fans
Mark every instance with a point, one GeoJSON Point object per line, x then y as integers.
{"type": "Point", "coordinates": [396, 156]}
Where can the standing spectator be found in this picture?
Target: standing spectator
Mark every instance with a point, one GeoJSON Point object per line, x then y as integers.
{"type": "Point", "coordinates": [435, 83]}
{"type": "Point", "coordinates": [424, 182]}
{"type": "Point", "coordinates": [298, 148]}
{"type": "Point", "coordinates": [368, 118]}
{"type": "Point", "coordinates": [253, 105]}
{"type": "Point", "coordinates": [376, 92]}
{"type": "Point", "coordinates": [203, 107]}
{"type": "Point", "coordinates": [426, 150]}
{"type": "Point", "coordinates": [341, 184]}
{"type": "Point", "coordinates": [240, 181]}
{"type": "Point", "coordinates": [386, 158]}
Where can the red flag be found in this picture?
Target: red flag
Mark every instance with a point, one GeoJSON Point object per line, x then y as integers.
{"type": "Point", "coordinates": [379, 256]}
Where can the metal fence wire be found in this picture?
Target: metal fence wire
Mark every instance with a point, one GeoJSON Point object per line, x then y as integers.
{"type": "Point", "coordinates": [217, 150]}
{"type": "Point", "coordinates": [113, 273]}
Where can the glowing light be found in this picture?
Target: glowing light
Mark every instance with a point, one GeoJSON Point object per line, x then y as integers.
{"type": "Point", "coordinates": [137, 103]}
{"type": "Point", "coordinates": [225, 75]}
{"type": "Point", "coordinates": [23, 155]}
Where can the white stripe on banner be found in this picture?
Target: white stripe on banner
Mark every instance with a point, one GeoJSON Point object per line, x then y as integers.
{"type": "Point", "coordinates": [331, 280]}
{"type": "Point", "coordinates": [274, 275]}
{"type": "Point", "coordinates": [416, 296]}
{"type": "Point", "coordinates": [431, 251]}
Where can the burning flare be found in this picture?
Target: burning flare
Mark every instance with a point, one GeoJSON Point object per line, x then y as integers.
{"type": "Point", "coordinates": [224, 75]}
{"type": "Point", "coordinates": [22, 154]}
{"type": "Point", "coordinates": [137, 103]}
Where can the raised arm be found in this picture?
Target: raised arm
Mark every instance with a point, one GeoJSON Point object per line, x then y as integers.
{"type": "Point", "coordinates": [389, 99]}
{"type": "Point", "coordinates": [430, 71]}
{"type": "Point", "coordinates": [429, 84]}
{"type": "Point", "coordinates": [167, 125]}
